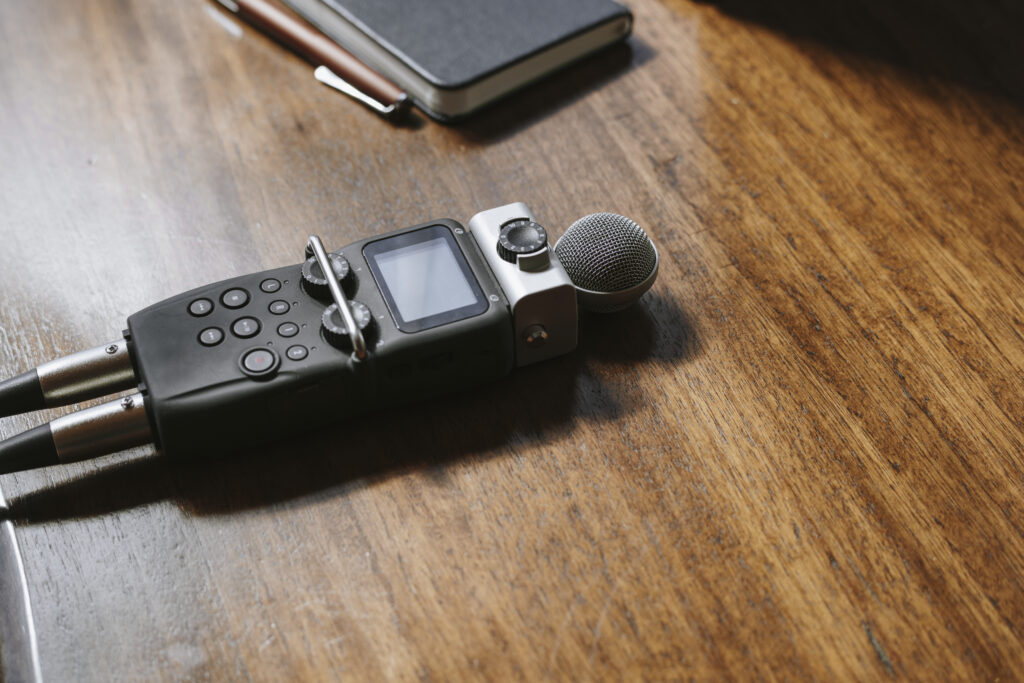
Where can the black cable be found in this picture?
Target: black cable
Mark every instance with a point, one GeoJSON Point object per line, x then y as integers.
{"type": "Point", "coordinates": [21, 394]}
{"type": "Point", "coordinates": [28, 450]}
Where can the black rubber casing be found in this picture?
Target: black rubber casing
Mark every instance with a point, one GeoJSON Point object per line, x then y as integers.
{"type": "Point", "coordinates": [199, 398]}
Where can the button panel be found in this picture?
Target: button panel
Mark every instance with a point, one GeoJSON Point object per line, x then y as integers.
{"type": "Point", "coordinates": [271, 295]}
{"type": "Point", "coordinates": [251, 326]}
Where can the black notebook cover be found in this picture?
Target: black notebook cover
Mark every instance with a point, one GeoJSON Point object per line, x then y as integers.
{"type": "Point", "coordinates": [454, 43]}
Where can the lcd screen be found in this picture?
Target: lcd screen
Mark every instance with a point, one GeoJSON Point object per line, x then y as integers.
{"type": "Point", "coordinates": [425, 279]}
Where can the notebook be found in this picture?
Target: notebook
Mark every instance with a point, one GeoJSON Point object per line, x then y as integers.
{"type": "Point", "coordinates": [453, 57]}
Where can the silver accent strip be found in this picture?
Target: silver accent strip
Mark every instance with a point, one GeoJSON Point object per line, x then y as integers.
{"type": "Point", "coordinates": [102, 429]}
{"type": "Point", "coordinates": [19, 649]}
{"type": "Point", "coordinates": [87, 374]}
{"type": "Point", "coordinates": [354, 333]}
{"type": "Point", "coordinates": [333, 80]}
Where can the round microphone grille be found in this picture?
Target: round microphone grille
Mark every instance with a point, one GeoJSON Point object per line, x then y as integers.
{"type": "Point", "coordinates": [606, 252]}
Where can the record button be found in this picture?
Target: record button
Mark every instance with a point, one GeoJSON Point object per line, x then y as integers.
{"type": "Point", "coordinates": [259, 362]}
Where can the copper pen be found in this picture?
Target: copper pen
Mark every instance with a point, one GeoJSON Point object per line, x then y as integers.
{"type": "Point", "coordinates": [337, 67]}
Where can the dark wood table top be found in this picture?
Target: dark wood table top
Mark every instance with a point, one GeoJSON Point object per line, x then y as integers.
{"type": "Point", "coordinates": [800, 456]}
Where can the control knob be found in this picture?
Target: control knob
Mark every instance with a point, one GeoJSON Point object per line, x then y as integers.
{"type": "Point", "coordinates": [524, 238]}
{"type": "Point", "coordinates": [336, 331]}
{"type": "Point", "coordinates": [313, 279]}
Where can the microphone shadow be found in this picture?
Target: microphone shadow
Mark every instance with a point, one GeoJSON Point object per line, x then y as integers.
{"type": "Point", "coordinates": [532, 405]}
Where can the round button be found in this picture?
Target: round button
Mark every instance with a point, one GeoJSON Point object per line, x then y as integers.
{"type": "Point", "coordinates": [235, 298]}
{"type": "Point", "coordinates": [297, 352]}
{"type": "Point", "coordinates": [200, 307]}
{"type": "Point", "coordinates": [245, 327]}
{"type": "Point", "coordinates": [270, 285]}
{"type": "Point", "coordinates": [259, 362]}
{"type": "Point", "coordinates": [211, 336]}
{"type": "Point", "coordinates": [287, 329]}
{"type": "Point", "coordinates": [279, 307]}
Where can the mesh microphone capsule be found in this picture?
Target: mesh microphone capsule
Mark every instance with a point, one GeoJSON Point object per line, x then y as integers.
{"type": "Point", "coordinates": [610, 260]}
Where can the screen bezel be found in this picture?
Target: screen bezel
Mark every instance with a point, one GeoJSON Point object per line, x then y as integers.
{"type": "Point", "coordinates": [388, 244]}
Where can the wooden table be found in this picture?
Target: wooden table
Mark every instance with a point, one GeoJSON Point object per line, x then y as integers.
{"type": "Point", "coordinates": [799, 457]}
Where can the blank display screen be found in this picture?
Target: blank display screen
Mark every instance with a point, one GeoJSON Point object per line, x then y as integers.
{"type": "Point", "coordinates": [424, 278]}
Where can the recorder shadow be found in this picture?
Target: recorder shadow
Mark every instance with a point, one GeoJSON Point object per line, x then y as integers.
{"type": "Point", "coordinates": [532, 405]}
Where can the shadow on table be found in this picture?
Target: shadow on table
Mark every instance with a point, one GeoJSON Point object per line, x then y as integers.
{"type": "Point", "coordinates": [976, 44]}
{"type": "Point", "coordinates": [534, 404]}
{"type": "Point", "coordinates": [522, 109]}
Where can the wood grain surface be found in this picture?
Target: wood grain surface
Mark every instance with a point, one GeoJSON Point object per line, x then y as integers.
{"type": "Point", "coordinates": [800, 456]}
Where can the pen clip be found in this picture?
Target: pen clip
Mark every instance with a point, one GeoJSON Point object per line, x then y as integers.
{"type": "Point", "coordinates": [333, 80]}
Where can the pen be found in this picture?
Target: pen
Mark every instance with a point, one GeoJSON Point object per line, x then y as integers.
{"type": "Point", "coordinates": [337, 67]}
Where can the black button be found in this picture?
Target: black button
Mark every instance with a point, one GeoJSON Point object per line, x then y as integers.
{"type": "Point", "coordinates": [279, 307]}
{"type": "Point", "coordinates": [235, 298]}
{"type": "Point", "coordinates": [270, 285]}
{"type": "Point", "coordinates": [245, 327]}
{"type": "Point", "coordinates": [211, 336]}
{"type": "Point", "coordinates": [287, 329]}
{"type": "Point", "coordinates": [297, 352]}
{"type": "Point", "coordinates": [258, 362]}
{"type": "Point", "coordinates": [200, 307]}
